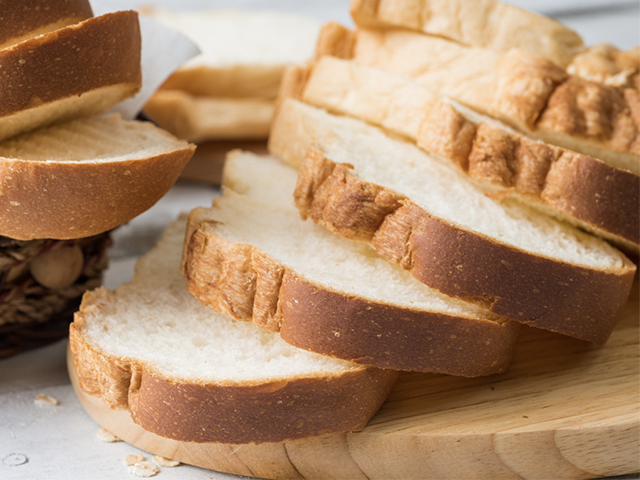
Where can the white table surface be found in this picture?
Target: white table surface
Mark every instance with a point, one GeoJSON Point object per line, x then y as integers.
{"type": "Point", "coordinates": [59, 442]}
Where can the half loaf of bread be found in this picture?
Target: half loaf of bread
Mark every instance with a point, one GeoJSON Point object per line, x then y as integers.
{"type": "Point", "coordinates": [251, 257]}
{"type": "Point", "coordinates": [29, 18]}
{"type": "Point", "coordinates": [573, 187]}
{"type": "Point", "coordinates": [481, 23]}
{"type": "Point", "coordinates": [80, 70]}
{"type": "Point", "coordinates": [187, 373]}
{"type": "Point", "coordinates": [430, 218]}
{"type": "Point", "coordinates": [84, 177]}
{"type": "Point", "coordinates": [525, 91]}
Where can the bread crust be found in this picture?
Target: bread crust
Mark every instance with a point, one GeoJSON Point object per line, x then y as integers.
{"type": "Point", "coordinates": [225, 412]}
{"type": "Point", "coordinates": [525, 287]}
{"type": "Point", "coordinates": [95, 54]}
{"type": "Point", "coordinates": [28, 18]}
{"type": "Point", "coordinates": [526, 91]}
{"type": "Point", "coordinates": [247, 284]}
{"type": "Point", "coordinates": [482, 23]}
{"type": "Point", "coordinates": [65, 200]}
{"type": "Point", "coordinates": [576, 188]}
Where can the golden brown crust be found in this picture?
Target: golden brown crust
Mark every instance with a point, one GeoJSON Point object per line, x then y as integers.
{"type": "Point", "coordinates": [246, 283]}
{"type": "Point", "coordinates": [97, 53]}
{"type": "Point", "coordinates": [528, 288]}
{"type": "Point", "coordinates": [335, 40]}
{"type": "Point", "coordinates": [78, 199]}
{"type": "Point", "coordinates": [27, 18]}
{"type": "Point", "coordinates": [270, 411]}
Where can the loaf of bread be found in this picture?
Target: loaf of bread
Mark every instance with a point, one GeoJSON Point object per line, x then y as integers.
{"type": "Point", "coordinates": [84, 177]}
{"type": "Point", "coordinates": [251, 257]}
{"type": "Point", "coordinates": [525, 91]}
{"type": "Point", "coordinates": [187, 373]}
{"type": "Point", "coordinates": [29, 18]}
{"type": "Point", "coordinates": [429, 218]}
{"type": "Point", "coordinates": [573, 187]}
{"type": "Point", "coordinates": [488, 24]}
{"type": "Point", "coordinates": [77, 71]}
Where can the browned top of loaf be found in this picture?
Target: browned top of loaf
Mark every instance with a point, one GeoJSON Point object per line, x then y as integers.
{"type": "Point", "coordinates": [198, 411]}
{"type": "Point", "coordinates": [247, 284]}
{"type": "Point", "coordinates": [98, 52]}
{"type": "Point", "coordinates": [538, 291]}
{"type": "Point", "coordinates": [21, 19]}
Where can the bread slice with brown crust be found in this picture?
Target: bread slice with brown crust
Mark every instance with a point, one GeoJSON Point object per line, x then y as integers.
{"type": "Point", "coordinates": [527, 92]}
{"type": "Point", "coordinates": [573, 187]}
{"type": "Point", "coordinates": [189, 374]}
{"type": "Point", "coordinates": [77, 71]}
{"type": "Point", "coordinates": [251, 257]}
{"type": "Point", "coordinates": [481, 23]}
{"type": "Point", "coordinates": [84, 177]}
{"type": "Point", "coordinates": [430, 219]}
{"type": "Point", "coordinates": [29, 18]}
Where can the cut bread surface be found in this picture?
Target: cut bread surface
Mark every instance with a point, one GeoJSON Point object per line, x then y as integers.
{"type": "Point", "coordinates": [187, 373]}
{"type": "Point", "coordinates": [430, 219]}
{"type": "Point", "coordinates": [252, 257]}
{"type": "Point", "coordinates": [576, 188]}
{"type": "Point", "coordinates": [80, 70]}
{"type": "Point", "coordinates": [85, 177]}
{"type": "Point", "coordinates": [243, 52]}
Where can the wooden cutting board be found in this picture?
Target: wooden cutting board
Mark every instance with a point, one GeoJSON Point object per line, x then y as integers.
{"type": "Point", "coordinates": [565, 410]}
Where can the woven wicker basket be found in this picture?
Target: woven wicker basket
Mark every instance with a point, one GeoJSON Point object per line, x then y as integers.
{"type": "Point", "coordinates": [41, 285]}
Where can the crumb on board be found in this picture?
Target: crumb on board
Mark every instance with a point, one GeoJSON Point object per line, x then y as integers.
{"type": "Point", "coordinates": [43, 400]}
{"type": "Point", "coordinates": [107, 436]}
{"type": "Point", "coordinates": [165, 462]}
{"type": "Point", "coordinates": [133, 459]}
{"type": "Point", "coordinates": [144, 469]}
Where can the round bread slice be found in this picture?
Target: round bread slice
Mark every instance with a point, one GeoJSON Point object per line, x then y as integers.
{"type": "Point", "coordinates": [187, 373]}
{"type": "Point", "coordinates": [29, 18]}
{"type": "Point", "coordinates": [251, 257]}
{"type": "Point", "coordinates": [84, 177]}
{"type": "Point", "coordinates": [432, 220]}
{"type": "Point", "coordinates": [80, 70]}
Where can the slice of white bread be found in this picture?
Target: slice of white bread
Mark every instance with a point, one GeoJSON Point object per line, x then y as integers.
{"type": "Point", "coordinates": [482, 23]}
{"type": "Point", "coordinates": [80, 70]}
{"type": "Point", "coordinates": [430, 218]}
{"type": "Point", "coordinates": [198, 118]}
{"type": "Point", "coordinates": [187, 373]}
{"type": "Point", "coordinates": [244, 52]}
{"type": "Point", "coordinates": [525, 91]}
{"type": "Point", "coordinates": [84, 177]}
{"type": "Point", "coordinates": [573, 187]}
{"type": "Point", "coordinates": [29, 18]}
{"type": "Point", "coordinates": [251, 257]}
{"type": "Point", "coordinates": [607, 64]}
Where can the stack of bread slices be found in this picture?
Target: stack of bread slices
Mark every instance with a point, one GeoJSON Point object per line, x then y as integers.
{"type": "Point", "coordinates": [424, 198]}
{"type": "Point", "coordinates": [69, 175]}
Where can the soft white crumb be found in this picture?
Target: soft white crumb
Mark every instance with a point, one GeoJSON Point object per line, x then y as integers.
{"type": "Point", "coordinates": [165, 462]}
{"type": "Point", "coordinates": [144, 469]}
{"type": "Point", "coordinates": [45, 400]}
{"type": "Point", "coordinates": [133, 459]}
{"type": "Point", "coordinates": [107, 436]}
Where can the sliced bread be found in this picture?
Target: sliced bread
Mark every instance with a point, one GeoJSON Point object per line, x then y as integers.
{"type": "Point", "coordinates": [251, 257]}
{"type": "Point", "coordinates": [80, 70]}
{"type": "Point", "coordinates": [29, 18]}
{"type": "Point", "coordinates": [527, 92]}
{"type": "Point", "coordinates": [573, 187]}
{"type": "Point", "coordinates": [187, 373]}
{"type": "Point", "coordinates": [197, 118]}
{"type": "Point", "coordinates": [84, 177]}
{"type": "Point", "coordinates": [244, 52]}
{"type": "Point", "coordinates": [430, 218]}
{"type": "Point", "coordinates": [482, 23]}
